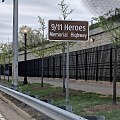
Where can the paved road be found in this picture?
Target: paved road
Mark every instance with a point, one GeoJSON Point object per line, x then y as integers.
{"type": "Point", "coordinates": [88, 86]}
{"type": "Point", "coordinates": [1, 117]}
{"type": "Point", "coordinates": [7, 113]}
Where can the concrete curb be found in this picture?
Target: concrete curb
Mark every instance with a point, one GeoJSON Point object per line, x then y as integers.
{"type": "Point", "coordinates": [22, 113]}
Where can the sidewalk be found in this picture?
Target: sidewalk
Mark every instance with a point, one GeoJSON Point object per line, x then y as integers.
{"type": "Point", "coordinates": [9, 111]}
{"type": "Point", "coordinates": [101, 87]}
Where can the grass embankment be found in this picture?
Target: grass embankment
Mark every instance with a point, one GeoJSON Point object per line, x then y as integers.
{"type": "Point", "coordinates": [83, 103]}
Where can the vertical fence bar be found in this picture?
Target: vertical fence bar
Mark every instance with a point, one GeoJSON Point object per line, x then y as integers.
{"type": "Point", "coordinates": [34, 67]}
{"type": "Point", "coordinates": [60, 67]}
{"type": "Point", "coordinates": [76, 66]}
{"type": "Point", "coordinates": [97, 64]}
{"type": "Point", "coordinates": [41, 68]}
{"type": "Point", "coordinates": [48, 67]}
{"type": "Point", "coordinates": [111, 65]}
{"type": "Point", "coordinates": [85, 65]}
{"type": "Point", "coordinates": [38, 68]}
{"type": "Point", "coordinates": [53, 67]}
{"type": "Point", "coordinates": [115, 74]}
{"type": "Point", "coordinates": [30, 68]}
{"type": "Point", "coordinates": [0, 71]}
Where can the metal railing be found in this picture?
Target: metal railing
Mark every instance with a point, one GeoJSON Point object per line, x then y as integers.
{"type": "Point", "coordinates": [45, 108]}
{"type": "Point", "coordinates": [95, 63]}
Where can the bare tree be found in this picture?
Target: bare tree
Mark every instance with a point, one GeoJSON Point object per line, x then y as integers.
{"type": "Point", "coordinates": [110, 22]}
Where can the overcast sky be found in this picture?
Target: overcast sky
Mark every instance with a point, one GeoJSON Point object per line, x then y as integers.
{"type": "Point", "coordinates": [47, 9]}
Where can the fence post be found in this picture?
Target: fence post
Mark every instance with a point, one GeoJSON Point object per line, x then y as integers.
{"type": "Point", "coordinates": [30, 68]}
{"type": "Point", "coordinates": [34, 67]}
{"type": "Point", "coordinates": [38, 68]}
{"type": "Point", "coordinates": [0, 71]}
{"type": "Point", "coordinates": [97, 64]}
{"type": "Point", "coordinates": [48, 67]}
{"type": "Point", "coordinates": [60, 67]}
{"type": "Point", "coordinates": [111, 64]}
{"type": "Point", "coordinates": [76, 66]}
{"type": "Point", "coordinates": [53, 67]}
{"type": "Point", "coordinates": [85, 65]}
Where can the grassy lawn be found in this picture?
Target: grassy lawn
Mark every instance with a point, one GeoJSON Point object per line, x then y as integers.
{"type": "Point", "coordinates": [83, 103]}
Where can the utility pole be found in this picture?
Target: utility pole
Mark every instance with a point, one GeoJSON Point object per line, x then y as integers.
{"type": "Point", "coordinates": [15, 44]}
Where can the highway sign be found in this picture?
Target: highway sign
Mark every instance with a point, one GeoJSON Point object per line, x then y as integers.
{"type": "Point", "coordinates": [68, 30]}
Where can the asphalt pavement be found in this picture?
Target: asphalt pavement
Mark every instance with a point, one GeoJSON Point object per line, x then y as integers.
{"type": "Point", "coordinates": [7, 113]}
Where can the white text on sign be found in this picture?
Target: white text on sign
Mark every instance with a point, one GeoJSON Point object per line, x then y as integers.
{"type": "Point", "coordinates": [67, 27]}
{"type": "Point", "coordinates": [68, 30]}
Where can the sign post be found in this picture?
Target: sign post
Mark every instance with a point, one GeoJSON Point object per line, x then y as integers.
{"type": "Point", "coordinates": [67, 74]}
{"type": "Point", "coordinates": [74, 31]}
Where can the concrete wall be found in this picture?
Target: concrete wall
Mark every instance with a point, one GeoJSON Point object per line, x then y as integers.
{"type": "Point", "coordinates": [101, 38]}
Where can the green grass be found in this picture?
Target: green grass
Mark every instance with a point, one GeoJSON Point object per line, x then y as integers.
{"type": "Point", "coordinates": [36, 89]}
{"type": "Point", "coordinates": [85, 100]}
{"type": "Point", "coordinates": [78, 99]}
{"type": "Point", "coordinates": [5, 82]}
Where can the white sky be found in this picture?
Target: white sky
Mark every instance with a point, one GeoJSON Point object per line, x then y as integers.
{"type": "Point", "coordinates": [47, 9]}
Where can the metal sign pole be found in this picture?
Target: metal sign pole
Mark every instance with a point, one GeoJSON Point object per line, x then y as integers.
{"type": "Point", "coordinates": [15, 43]}
{"type": "Point", "coordinates": [67, 74]}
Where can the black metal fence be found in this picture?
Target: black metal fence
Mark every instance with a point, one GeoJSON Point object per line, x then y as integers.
{"type": "Point", "coordinates": [88, 64]}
